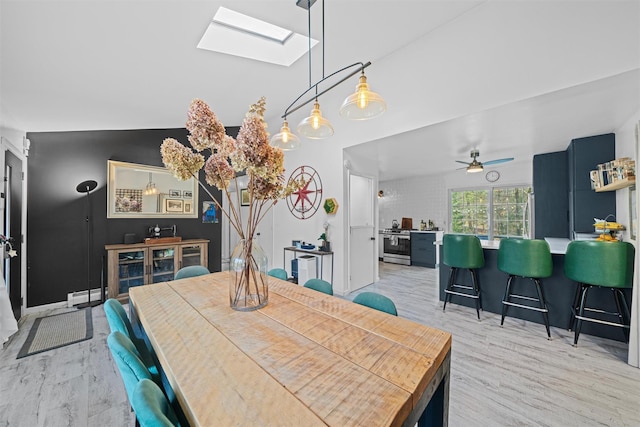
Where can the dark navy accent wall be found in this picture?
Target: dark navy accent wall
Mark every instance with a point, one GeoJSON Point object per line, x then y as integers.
{"type": "Point", "coordinates": [56, 212]}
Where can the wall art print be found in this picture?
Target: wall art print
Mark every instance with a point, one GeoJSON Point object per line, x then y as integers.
{"type": "Point", "coordinates": [210, 213]}
{"type": "Point", "coordinates": [128, 200]}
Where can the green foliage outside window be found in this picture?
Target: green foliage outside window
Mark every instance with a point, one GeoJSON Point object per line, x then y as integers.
{"type": "Point", "coordinates": [470, 212]}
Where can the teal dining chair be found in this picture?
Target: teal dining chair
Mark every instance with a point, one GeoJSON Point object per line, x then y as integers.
{"type": "Point", "coordinates": [152, 407]}
{"type": "Point", "coordinates": [191, 271]}
{"type": "Point", "coordinates": [131, 368]}
{"type": "Point", "coordinates": [119, 321]}
{"type": "Point", "coordinates": [376, 301]}
{"type": "Point", "coordinates": [319, 285]}
{"type": "Point", "coordinates": [280, 273]}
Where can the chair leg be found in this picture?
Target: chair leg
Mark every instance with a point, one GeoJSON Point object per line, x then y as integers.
{"type": "Point", "coordinates": [574, 307]}
{"type": "Point", "coordinates": [618, 296]}
{"type": "Point", "coordinates": [543, 305]}
{"type": "Point", "coordinates": [476, 290]}
{"type": "Point", "coordinates": [452, 278]}
{"type": "Point", "coordinates": [507, 295]}
{"type": "Point", "coordinates": [583, 300]}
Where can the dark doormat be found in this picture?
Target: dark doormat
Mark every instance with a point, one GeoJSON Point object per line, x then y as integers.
{"type": "Point", "coordinates": [57, 331]}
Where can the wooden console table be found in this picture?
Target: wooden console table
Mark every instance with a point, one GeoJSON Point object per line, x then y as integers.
{"type": "Point", "coordinates": [305, 359]}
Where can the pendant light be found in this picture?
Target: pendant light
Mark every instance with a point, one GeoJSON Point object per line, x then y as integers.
{"type": "Point", "coordinates": [315, 126]}
{"type": "Point", "coordinates": [363, 104]}
{"type": "Point", "coordinates": [150, 189]}
{"type": "Point", "coordinates": [285, 140]}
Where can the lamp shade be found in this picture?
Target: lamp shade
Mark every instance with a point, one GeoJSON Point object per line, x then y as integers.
{"type": "Point", "coordinates": [285, 139]}
{"type": "Point", "coordinates": [363, 104]}
{"type": "Point", "coordinates": [315, 126]}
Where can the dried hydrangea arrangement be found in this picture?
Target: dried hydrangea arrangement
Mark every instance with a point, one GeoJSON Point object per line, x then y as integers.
{"type": "Point", "coordinates": [250, 152]}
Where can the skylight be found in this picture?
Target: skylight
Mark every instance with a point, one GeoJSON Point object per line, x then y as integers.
{"type": "Point", "coordinates": [234, 33]}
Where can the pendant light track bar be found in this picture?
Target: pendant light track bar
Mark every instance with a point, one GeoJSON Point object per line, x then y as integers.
{"type": "Point", "coordinates": [361, 68]}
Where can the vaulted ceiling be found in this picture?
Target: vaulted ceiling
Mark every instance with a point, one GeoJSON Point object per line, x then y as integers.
{"type": "Point", "coordinates": [509, 78]}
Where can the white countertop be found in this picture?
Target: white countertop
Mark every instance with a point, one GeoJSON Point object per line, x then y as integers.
{"type": "Point", "coordinates": [556, 245]}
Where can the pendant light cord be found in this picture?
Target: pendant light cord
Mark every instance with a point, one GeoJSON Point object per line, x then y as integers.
{"type": "Point", "coordinates": [309, 36]}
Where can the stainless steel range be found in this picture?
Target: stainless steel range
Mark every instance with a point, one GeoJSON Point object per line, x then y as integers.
{"type": "Point", "coordinates": [397, 246]}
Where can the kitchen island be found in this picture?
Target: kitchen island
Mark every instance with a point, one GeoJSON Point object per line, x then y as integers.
{"type": "Point", "coordinates": [559, 291]}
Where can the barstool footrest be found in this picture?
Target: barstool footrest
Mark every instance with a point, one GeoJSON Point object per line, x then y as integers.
{"type": "Point", "coordinates": [524, 297]}
{"type": "Point", "coordinates": [543, 310]}
{"type": "Point", "coordinates": [603, 322]}
{"type": "Point", "coordinates": [462, 294]}
{"type": "Point", "coordinates": [595, 310]}
{"type": "Point", "coordinates": [455, 285]}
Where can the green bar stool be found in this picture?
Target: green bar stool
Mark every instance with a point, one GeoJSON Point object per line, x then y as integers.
{"type": "Point", "coordinates": [529, 259]}
{"type": "Point", "coordinates": [463, 251]}
{"type": "Point", "coordinates": [604, 264]}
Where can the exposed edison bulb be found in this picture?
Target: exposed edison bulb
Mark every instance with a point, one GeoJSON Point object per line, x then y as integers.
{"type": "Point", "coordinates": [315, 126]}
{"type": "Point", "coordinates": [315, 120]}
{"type": "Point", "coordinates": [363, 96]}
{"type": "Point", "coordinates": [285, 139]}
{"type": "Point", "coordinates": [362, 104]}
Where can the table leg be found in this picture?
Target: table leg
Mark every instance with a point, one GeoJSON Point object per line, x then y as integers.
{"type": "Point", "coordinates": [433, 406]}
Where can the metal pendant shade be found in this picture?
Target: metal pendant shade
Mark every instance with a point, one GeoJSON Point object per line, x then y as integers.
{"type": "Point", "coordinates": [285, 140]}
{"type": "Point", "coordinates": [363, 104]}
{"type": "Point", "coordinates": [315, 126]}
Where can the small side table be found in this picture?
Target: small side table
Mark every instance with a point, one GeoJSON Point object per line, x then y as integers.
{"type": "Point", "coordinates": [319, 256]}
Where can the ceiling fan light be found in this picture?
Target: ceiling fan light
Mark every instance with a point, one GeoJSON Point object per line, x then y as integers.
{"type": "Point", "coordinates": [474, 168]}
{"type": "Point", "coordinates": [285, 140]}
{"type": "Point", "coordinates": [315, 126]}
{"type": "Point", "coordinates": [363, 104]}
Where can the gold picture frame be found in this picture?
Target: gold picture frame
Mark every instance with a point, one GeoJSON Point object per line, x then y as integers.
{"type": "Point", "coordinates": [244, 197]}
{"type": "Point", "coordinates": [173, 205]}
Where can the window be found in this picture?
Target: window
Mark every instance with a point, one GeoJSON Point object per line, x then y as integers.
{"type": "Point", "coordinates": [490, 213]}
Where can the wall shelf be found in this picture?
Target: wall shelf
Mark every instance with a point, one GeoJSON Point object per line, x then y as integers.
{"type": "Point", "coordinates": [623, 183]}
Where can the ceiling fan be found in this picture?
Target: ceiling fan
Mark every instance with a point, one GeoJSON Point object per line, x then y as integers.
{"type": "Point", "coordinates": [477, 166]}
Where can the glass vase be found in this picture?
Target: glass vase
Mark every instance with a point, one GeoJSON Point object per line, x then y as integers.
{"type": "Point", "coordinates": [248, 279]}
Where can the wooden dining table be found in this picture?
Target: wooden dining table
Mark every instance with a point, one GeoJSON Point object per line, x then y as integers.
{"type": "Point", "coordinates": [305, 359]}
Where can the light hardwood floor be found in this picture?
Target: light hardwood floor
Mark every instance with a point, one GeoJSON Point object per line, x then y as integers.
{"type": "Point", "coordinates": [501, 376]}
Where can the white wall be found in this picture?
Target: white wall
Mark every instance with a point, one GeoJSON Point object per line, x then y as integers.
{"type": "Point", "coordinates": [427, 197]}
{"type": "Point", "coordinates": [625, 147]}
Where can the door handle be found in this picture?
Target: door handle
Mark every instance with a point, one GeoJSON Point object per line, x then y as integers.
{"type": "Point", "coordinates": [373, 238]}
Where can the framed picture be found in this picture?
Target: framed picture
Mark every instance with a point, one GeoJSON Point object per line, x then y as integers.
{"type": "Point", "coordinates": [244, 197]}
{"type": "Point", "coordinates": [188, 206]}
{"type": "Point", "coordinates": [175, 193]}
{"type": "Point", "coordinates": [210, 213]}
{"type": "Point", "coordinates": [187, 194]}
{"type": "Point", "coordinates": [173, 205]}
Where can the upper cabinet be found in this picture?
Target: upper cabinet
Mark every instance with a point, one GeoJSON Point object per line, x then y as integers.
{"type": "Point", "coordinates": [550, 189]}
{"type": "Point", "coordinates": [584, 155]}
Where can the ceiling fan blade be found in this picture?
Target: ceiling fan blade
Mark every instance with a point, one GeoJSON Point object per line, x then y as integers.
{"type": "Point", "coordinates": [460, 161]}
{"type": "Point", "coordinates": [495, 162]}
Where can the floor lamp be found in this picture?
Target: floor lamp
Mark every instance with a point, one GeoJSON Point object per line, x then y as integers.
{"type": "Point", "coordinates": [87, 187]}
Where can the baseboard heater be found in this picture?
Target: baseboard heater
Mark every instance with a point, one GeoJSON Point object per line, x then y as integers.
{"type": "Point", "coordinates": [80, 297]}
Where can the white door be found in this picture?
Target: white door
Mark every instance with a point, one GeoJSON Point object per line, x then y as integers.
{"type": "Point", "coordinates": [362, 242]}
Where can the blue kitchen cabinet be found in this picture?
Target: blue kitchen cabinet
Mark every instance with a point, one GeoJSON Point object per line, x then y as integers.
{"type": "Point", "coordinates": [551, 195]}
{"type": "Point", "coordinates": [423, 251]}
